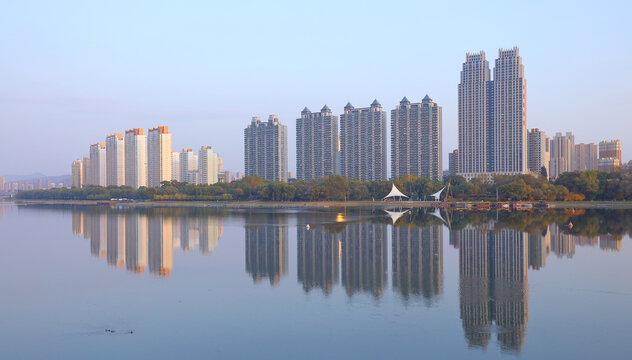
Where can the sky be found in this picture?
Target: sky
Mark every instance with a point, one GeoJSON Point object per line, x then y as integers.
{"type": "Point", "coordinates": [72, 72]}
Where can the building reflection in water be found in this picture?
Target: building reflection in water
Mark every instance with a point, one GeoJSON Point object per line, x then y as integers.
{"type": "Point", "coordinates": [136, 242]}
{"type": "Point", "coordinates": [493, 285]}
{"type": "Point", "coordinates": [610, 242]}
{"type": "Point", "coordinates": [78, 223]}
{"type": "Point", "coordinates": [364, 258]}
{"type": "Point", "coordinates": [539, 249]}
{"type": "Point", "coordinates": [418, 262]}
{"type": "Point", "coordinates": [317, 259]}
{"type": "Point", "coordinates": [160, 249]}
{"type": "Point", "coordinates": [189, 233]}
{"type": "Point", "coordinates": [211, 229]}
{"type": "Point", "coordinates": [116, 239]}
{"type": "Point", "coordinates": [266, 247]}
{"type": "Point", "coordinates": [138, 239]}
{"type": "Point", "coordinates": [98, 234]}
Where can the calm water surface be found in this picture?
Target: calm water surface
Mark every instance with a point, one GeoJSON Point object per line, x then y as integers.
{"type": "Point", "coordinates": [95, 283]}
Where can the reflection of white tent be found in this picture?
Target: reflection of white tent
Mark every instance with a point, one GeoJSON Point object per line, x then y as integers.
{"type": "Point", "coordinates": [437, 213]}
{"type": "Point", "coordinates": [438, 194]}
{"type": "Point", "coordinates": [395, 193]}
{"type": "Point", "coordinates": [395, 215]}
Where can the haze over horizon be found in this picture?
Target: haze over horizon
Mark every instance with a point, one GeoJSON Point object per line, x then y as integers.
{"type": "Point", "coordinates": [74, 72]}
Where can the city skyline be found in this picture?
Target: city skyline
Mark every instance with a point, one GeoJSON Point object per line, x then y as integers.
{"type": "Point", "coordinates": [109, 85]}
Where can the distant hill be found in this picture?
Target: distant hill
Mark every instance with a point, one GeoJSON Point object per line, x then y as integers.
{"type": "Point", "coordinates": [35, 176]}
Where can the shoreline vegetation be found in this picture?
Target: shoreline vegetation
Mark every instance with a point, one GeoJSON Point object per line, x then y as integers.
{"type": "Point", "coordinates": [589, 187]}
{"type": "Point", "coordinates": [316, 204]}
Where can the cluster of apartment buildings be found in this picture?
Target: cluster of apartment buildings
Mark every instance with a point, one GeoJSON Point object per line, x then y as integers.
{"type": "Point", "coordinates": [493, 137]}
{"type": "Point", "coordinates": [41, 183]}
{"type": "Point", "coordinates": [560, 154]}
{"type": "Point", "coordinates": [353, 145]}
{"type": "Point", "coordinates": [137, 159]}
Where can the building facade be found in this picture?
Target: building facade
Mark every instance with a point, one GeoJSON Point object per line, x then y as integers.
{"type": "Point", "coordinates": [586, 157]}
{"type": "Point", "coordinates": [539, 151]}
{"type": "Point", "coordinates": [363, 142]}
{"type": "Point", "coordinates": [115, 159]}
{"type": "Point", "coordinates": [188, 166]}
{"type": "Point", "coordinates": [265, 149]}
{"type": "Point", "coordinates": [453, 162]}
{"type": "Point", "coordinates": [562, 154]}
{"type": "Point", "coordinates": [98, 169]}
{"type": "Point", "coordinates": [175, 166]}
{"type": "Point", "coordinates": [77, 174]}
{"type": "Point", "coordinates": [158, 156]}
{"type": "Point", "coordinates": [474, 108]}
{"type": "Point", "coordinates": [86, 172]}
{"type": "Point", "coordinates": [609, 155]}
{"type": "Point", "coordinates": [135, 158]}
{"type": "Point", "coordinates": [509, 114]}
{"type": "Point", "coordinates": [317, 144]}
{"type": "Point", "coordinates": [207, 165]}
{"type": "Point", "coordinates": [416, 139]}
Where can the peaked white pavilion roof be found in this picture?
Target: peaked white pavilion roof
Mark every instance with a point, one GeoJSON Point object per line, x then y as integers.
{"type": "Point", "coordinates": [395, 193]}
{"type": "Point", "coordinates": [437, 194]}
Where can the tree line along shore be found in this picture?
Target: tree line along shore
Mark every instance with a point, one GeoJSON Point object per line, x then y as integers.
{"type": "Point", "coordinates": [571, 186]}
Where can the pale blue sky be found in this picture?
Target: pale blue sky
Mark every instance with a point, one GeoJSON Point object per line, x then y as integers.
{"type": "Point", "coordinates": [73, 71]}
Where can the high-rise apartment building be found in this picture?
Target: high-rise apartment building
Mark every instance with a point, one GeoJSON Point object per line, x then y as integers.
{"type": "Point", "coordinates": [77, 174]}
{"type": "Point", "coordinates": [363, 142]}
{"type": "Point", "coordinates": [98, 167]}
{"type": "Point", "coordinates": [158, 156]}
{"type": "Point", "coordinates": [539, 151]}
{"type": "Point", "coordinates": [562, 154]}
{"type": "Point", "coordinates": [609, 155]}
{"type": "Point", "coordinates": [207, 165]}
{"type": "Point", "coordinates": [453, 162]}
{"type": "Point", "coordinates": [188, 166]}
{"type": "Point", "coordinates": [265, 149]}
{"type": "Point", "coordinates": [509, 114]}
{"type": "Point", "coordinates": [86, 172]}
{"type": "Point", "coordinates": [586, 157]}
{"type": "Point", "coordinates": [475, 132]}
{"type": "Point", "coordinates": [492, 116]}
{"type": "Point", "coordinates": [416, 139]}
{"type": "Point", "coordinates": [115, 159]}
{"type": "Point", "coordinates": [175, 166]}
{"type": "Point", "coordinates": [2, 183]}
{"type": "Point", "coordinates": [135, 158]}
{"type": "Point", "coordinates": [317, 144]}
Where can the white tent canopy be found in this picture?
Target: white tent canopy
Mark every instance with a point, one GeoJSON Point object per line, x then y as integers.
{"type": "Point", "coordinates": [438, 194]}
{"type": "Point", "coordinates": [395, 193]}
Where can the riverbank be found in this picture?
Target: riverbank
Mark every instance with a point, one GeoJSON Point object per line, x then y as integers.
{"type": "Point", "coordinates": [312, 204]}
